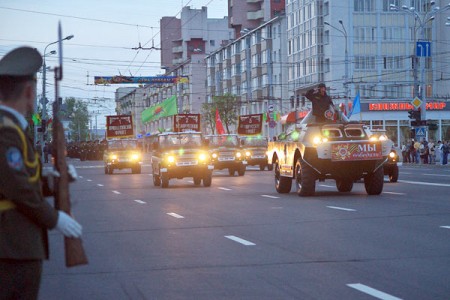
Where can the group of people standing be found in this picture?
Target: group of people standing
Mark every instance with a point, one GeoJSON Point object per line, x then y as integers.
{"type": "Point", "coordinates": [426, 152]}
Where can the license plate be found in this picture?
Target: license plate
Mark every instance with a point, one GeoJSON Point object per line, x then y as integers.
{"type": "Point", "coordinates": [226, 158]}
{"type": "Point", "coordinates": [186, 163]}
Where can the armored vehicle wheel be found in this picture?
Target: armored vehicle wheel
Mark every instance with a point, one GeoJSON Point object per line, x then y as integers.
{"type": "Point", "coordinates": [393, 174]}
{"type": "Point", "coordinates": [344, 185]}
{"type": "Point", "coordinates": [207, 180]}
{"type": "Point", "coordinates": [197, 180]}
{"type": "Point", "coordinates": [270, 167]}
{"type": "Point", "coordinates": [110, 170]}
{"type": "Point", "coordinates": [231, 171]}
{"type": "Point", "coordinates": [305, 179]}
{"type": "Point", "coordinates": [374, 182]}
{"type": "Point", "coordinates": [241, 170]}
{"type": "Point", "coordinates": [136, 169]}
{"type": "Point", "coordinates": [156, 180]}
{"type": "Point", "coordinates": [282, 184]}
{"type": "Point", "coordinates": [164, 181]}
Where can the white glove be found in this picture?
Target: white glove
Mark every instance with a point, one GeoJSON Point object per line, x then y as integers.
{"type": "Point", "coordinates": [72, 172]}
{"type": "Point", "coordinates": [68, 226]}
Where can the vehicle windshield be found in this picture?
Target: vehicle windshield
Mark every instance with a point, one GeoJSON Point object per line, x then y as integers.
{"type": "Point", "coordinates": [122, 144]}
{"type": "Point", "coordinates": [171, 140]}
{"type": "Point", "coordinates": [224, 141]}
{"type": "Point", "coordinates": [254, 142]}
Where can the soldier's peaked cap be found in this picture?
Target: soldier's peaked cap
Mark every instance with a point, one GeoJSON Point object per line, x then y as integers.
{"type": "Point", "coordinates": [322, 85]}
{"type": "Point", "coordinates": [22, 61]}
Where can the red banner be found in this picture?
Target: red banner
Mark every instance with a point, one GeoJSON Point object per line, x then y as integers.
{"type": "Point", "coordinates": [185, 122]}
{"type": "Point", "coordinates": [120, 126]}
{"type": "Point", "coordinates": [250, 124]}
{"type": "Point", "coordinates": [356, 151]}
{"type": "Point", "coordinates": [219, 125]}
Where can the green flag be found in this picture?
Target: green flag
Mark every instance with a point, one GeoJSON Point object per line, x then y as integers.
{"type": "Point", "coordinates": [164, 109]}
{"type": "Point", "coordinates": [36, 119]}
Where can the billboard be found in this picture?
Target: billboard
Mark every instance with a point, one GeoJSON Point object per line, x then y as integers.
{"type": "Point", "coordinates": [120, 126]}
{"type": "Point", "coordinates": [185, 122]}
{"type": "Point", "coordinates": [250, 124]}
{"type": "Point", "coordinates": [140, 80]}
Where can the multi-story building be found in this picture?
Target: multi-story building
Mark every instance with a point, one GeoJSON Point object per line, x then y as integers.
{"type": "Point", "coordinates": [367, 47]}
{"type": "Point", "coordinates": [252, 68]}
{"type": "Point", "coordinates": [247, 15]}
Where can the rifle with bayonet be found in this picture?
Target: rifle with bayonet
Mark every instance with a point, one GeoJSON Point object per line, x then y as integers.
{"type": "Point", "coordinates": [74, 251]}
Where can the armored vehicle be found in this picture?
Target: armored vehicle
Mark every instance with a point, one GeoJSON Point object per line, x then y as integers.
{"type": "Point", "coordinates": [390, 167]}
{"type": "Point", "coordinates": [255, 150]}
{"type": "Point", "coordinates": [337, 149]}
{"type": "Point", "coordinates": [122, 154]}
{"type": "Point", "coordinates": [180, 155]}
{"type": "Point", "coordinates": [226, 153]}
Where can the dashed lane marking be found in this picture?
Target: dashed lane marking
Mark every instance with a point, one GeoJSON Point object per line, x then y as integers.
{"type": "Point", "coordinates": [175, 215]}
{"type": "Point", "coordinates": [140, 201]}
{"type": "Point", "coordinates": [269, 196]}
{"type": "Point", "coordinates": [99, 184]}
{"type": "Point", "coordinates": [394, 193]}
{"type": "Point", "coordinates": [442, 175]}
{"type": "Point", "coordinates": [239, 240]}
{"type": "Point", "coordinates": [88, 179]}
{"type": "Point", "coordinates": [224, 189]}
{"type": "Point", "coordinates": [328, 186]}
{"type": "Point", "coordinates": [446, 227]}
{"type": "Point", "coordinates": [116, 192]}
{"type": "Point", "coordinates": [341, 208]}
{"type": "Point", "coordinates": [425, 183]}
{"type": "Point", "coordinates": [372, 292]}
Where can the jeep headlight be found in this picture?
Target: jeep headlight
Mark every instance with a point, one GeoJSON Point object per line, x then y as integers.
{"type": "Point", "coordinates": [238, 154]}
{"type": "Point", "coordinates": [113, 156]}
{"type": "Point", "coordinates": [134, 156]}
{"type": "Point", "coordinates": [319, 140]}
{"type": "Point", "coordinates": [202, 157]}
{"type": "Point", "coordinates": [392, 154]}
{"type": "Point", "coordinates": [214, 155]}
{"type": "Point", "coordinates": [248, 153]}
{"type": "Point", "coordinates": [171, 159]}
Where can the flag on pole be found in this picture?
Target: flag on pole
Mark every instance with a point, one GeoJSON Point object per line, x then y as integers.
{"type": "Point", "coordinates": [356, 106]}
{"type": "Point", "coordinates": [36, 119]}
{"type": "Point", "coordinates": [219, 125]}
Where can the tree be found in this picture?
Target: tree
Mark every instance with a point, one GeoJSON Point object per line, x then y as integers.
{"type": "Point", "coordinates": [77, 113]}
{"type": "Point", "coordinates": [209, 116]}
{"type": "Point", "coordinates": [228, 107]}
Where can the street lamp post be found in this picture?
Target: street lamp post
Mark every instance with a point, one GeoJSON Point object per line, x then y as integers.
{"type": "Point", "coordinates": [44, 77]}
{"type": "Point", "coordinates": [422, 20]}
{"type": "Point", "coordinates": [346, 77]}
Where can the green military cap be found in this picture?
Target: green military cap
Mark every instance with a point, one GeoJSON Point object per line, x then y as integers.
{"type": "Point", "coordinates": [22, 61]}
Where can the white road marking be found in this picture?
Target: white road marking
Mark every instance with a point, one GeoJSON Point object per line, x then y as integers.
{"type": "Point", "coordinates": [224, 189]}
{"type": "Point", "coordinates": [239, 240]}
{"type": "Point", "coordinates": [99, 184]}
{"type": "Point", "coordinates": [175, 215]}
{"type": "Point", "coordinates": [88, 179]}
{"type": "Point", "coordinates": [394, 193]}
{"type": "Point", "coordinates": [372, 292]}
{"type": "Point", "coordinates": [140, 201]}
{"type": "Point", "coordinates": [269, 196]}
{"type": "Point", "coordinates": [425, 183]}
{"type": "Point", "coordinates": [443, 175]}
{"type": "Point", "coordinates": [328, 186]}
{"type": "Point", "coordinates": [277, 207]}
{"type": "Point", "coordinates": [446, 227]}
{"type": "Point", "coordinates": [80, 176]}
{"type": "Point", "coordinates": [116, 192]}
{"type": "Point", "coordinates": [341, 208]}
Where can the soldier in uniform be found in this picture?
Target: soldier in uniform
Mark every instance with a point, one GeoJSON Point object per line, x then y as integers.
{"type": "Point", "coordinates": [320, 102]}
{"type": "Point", "coordinates": [25, 216]}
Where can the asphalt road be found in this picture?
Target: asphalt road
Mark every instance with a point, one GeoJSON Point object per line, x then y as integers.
{"type": "Point", "coordinates": [240, 239]}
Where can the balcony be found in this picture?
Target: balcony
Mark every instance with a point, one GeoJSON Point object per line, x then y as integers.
{"type": "Point", "coordinates": [255, 15]}
{"type": "Point", "coordinates": [178, 49]}
{"type": "Point", "coordinates": [254, 1]}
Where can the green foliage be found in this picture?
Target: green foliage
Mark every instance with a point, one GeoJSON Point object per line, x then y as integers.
{"type": "Point", "coordinates": [209, 116]}
{"type": "Point", "coordinates": [77, 113]}
{"type": "Point", "coordinates": [227, 105]}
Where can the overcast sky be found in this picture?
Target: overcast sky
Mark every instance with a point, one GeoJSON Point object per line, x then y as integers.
{"type": "Point", "coordinates": [105, 32]}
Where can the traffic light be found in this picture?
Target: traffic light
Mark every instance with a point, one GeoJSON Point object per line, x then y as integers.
{"type": "Point", "coordinates": [411, 114]}
{"type": "Point", "coordinates": [414, 115]}
{"type": "Point", "coordinates": [43, 125]}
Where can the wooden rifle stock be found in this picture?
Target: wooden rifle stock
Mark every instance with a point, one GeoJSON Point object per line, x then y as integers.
{"type": "Point", "coordinates": [74, 251]}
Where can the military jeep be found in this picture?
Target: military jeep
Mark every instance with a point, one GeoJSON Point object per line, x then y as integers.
{"type": "Point", "coordinates": [255, 150]}
{"type": "Point", "coordinates": [122, 154]}
{"type": "Point", "coordinates": [179, 155]}
{"type": "Point", "coordinates": [226, 153]}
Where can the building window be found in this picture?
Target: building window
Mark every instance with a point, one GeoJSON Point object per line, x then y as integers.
{"type": "Point", "coordinates": [212, 43]}
{"type": "Point", "coordinates": [364, 5]}
{"type": "Point", "coordinates": [387, 4]}
{"type": "Point", "coordinates": [364, 62]}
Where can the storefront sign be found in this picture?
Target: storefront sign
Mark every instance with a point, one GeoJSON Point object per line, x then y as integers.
{"type": "Point", "coordinates": [396, 106]}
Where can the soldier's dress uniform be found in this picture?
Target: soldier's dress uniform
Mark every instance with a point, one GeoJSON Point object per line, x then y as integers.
{"type": "Point", "coordinates": [25, 216]}
{"type": "Point", "coordinates": [320, 103]}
